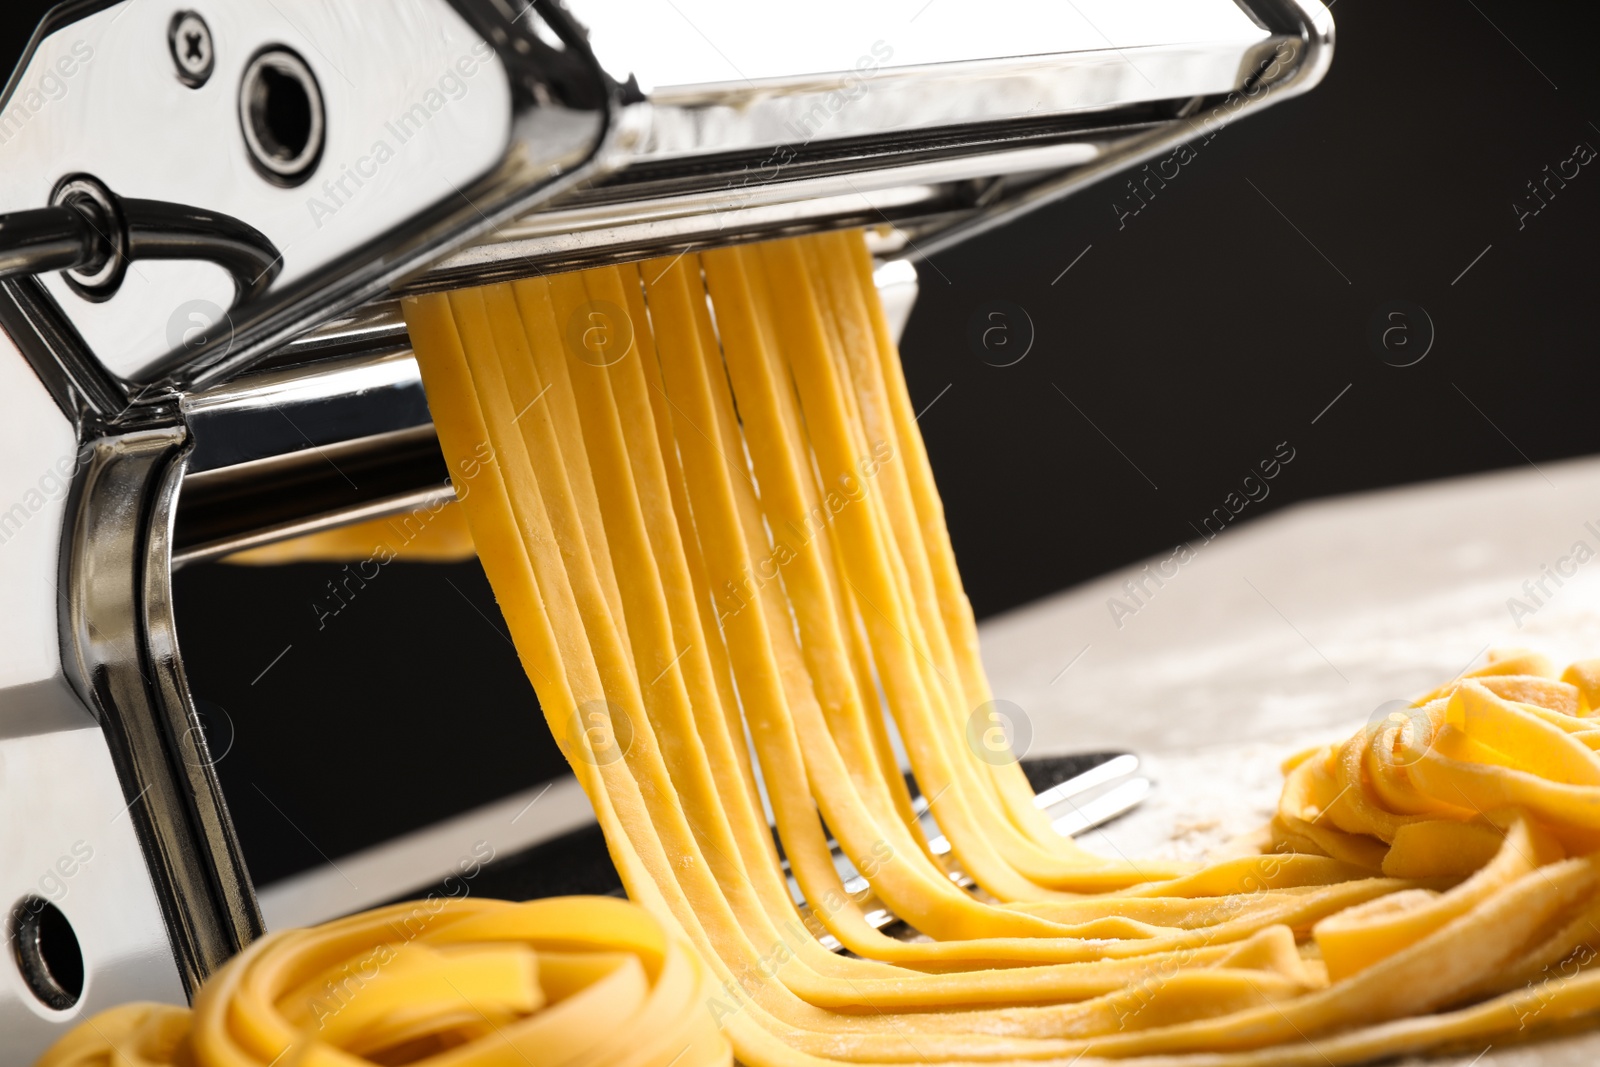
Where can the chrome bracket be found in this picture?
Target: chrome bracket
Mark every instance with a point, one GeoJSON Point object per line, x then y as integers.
{"type": "Point", "coordinates": [121, 652]}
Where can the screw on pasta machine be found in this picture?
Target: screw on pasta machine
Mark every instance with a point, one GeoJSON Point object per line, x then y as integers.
{"type": "Point", "coordinates": [189, 40]}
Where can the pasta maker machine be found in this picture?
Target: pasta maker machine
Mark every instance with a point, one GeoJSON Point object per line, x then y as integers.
{"type": "Point", "coordinates": [208, 212]}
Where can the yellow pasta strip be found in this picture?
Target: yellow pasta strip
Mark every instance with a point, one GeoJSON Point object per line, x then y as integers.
{"type": "Point", "coordinates": [856, 339]}
{"type": "Point", "coordinates": [743, 277]}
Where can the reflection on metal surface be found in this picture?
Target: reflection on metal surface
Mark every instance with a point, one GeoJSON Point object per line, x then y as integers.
{"type": "Point", "coordinates": [366, 375]}
{"type": "Point", "coordinates": [317, 410]}
{"type": "Point", "coordinates": [846, 68]}
{"type": "Point", "coordinates": [897, 289]}
{"type": "Point", "coordinates": [584, 237]}
{"type": "Point", "coordinates": [122, 657]}
{"type": "Point", "coordinates": [942, 152]}
{"type": "Point", "coordinates": [1072, 816]}
{"type": "Point", "coordinates": [1102, 809]}
{"type": "Point", "coordinates": [398, 504]}
{"type": "Point", "coordinates": [374, 327]}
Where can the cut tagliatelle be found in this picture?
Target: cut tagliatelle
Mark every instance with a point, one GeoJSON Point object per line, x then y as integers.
{"type": "Point", "coordinates": [465, 983]}
{"type": "Point", "coordinates": [698, 490]}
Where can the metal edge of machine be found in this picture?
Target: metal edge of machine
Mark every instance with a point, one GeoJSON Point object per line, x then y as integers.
{"type": "Point", "coordinates": [969, 182]}
{"type": "Point", "coordinates": [1307, 22]}
{"type": "Point", "coordinates": [119, 641]}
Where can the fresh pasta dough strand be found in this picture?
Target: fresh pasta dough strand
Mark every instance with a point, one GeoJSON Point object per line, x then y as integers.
{"type": "Point", "coordinates": [723, 417]}
{"type": "Point", "coordinates": [652, 811]}
{"type": "Point", "coordinates": [856, 355]}
{"type": "Point", "coordinates": [763, 692]}
{"type": "Point", "coordinates": [639, 322]}
{"type": "Point", "coordinates": [740, 357]}
{"type": "Point", "coordinates": [797, 557]}
{"type": "Point", "coordinates": [848, 263]}
{"type": "Point", "coordinates": [745, 367]}
{"type": "Point", "coordinates": [718, 827]}
{"type": "Point", "coordinates": [858, 341]}
{"type": "Point", "coordinates": [953, 604]}
{"type": "Point", "coordinates": [554, 396]}
{"type": "Point", "coordinates": [512, 562]}
{"type": "Point", "coordinates": [692, 644]}
{"type": "Point", "coordinates": [866, 568]}
{"type": "Point", "coordinates": [703, 421]}
{"type": "Point", "coordinates": [855, 825]}
{"type": "Point", "coordinates": [651, 819]}
{"type": "Point", "coordinates": [700, 432]}
{"type": "Point", "coordinates": [746, 268]}
{"type": "Point", "coordinates": [727, 925]}
{"type": "Point", "coordinates": [730, 317]}
{"type": "Point", "coordinates": [944, 767]}
{"type": "Point", "coordinates": [709, 467]}
{"type": "Point", "coordinates": [653, 880]}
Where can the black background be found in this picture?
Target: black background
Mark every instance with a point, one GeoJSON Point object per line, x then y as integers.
{"type": "Point", "coordinates": [1191, 339]}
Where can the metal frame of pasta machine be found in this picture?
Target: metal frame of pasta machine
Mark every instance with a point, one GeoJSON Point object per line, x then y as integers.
{"type": "Point", "coordinates": [207, 211]}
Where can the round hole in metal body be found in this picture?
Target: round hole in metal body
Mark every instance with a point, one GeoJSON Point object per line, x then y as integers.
{"type": "Point", "coordinates": [281, 113]}
{"type": "Point", "coordinates": [47, 952]}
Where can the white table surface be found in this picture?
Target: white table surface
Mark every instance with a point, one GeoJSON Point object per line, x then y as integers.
{"type": "Point", "coordinates": [1291, 630]}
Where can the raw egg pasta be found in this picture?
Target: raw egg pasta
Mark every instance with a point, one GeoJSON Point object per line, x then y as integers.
{"type": "Point", "coordinates": [715, 534]}
{"type": "Point", "coordinates": [451, 983]}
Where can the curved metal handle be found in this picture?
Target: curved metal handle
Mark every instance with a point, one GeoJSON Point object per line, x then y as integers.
{"type": "Point", "coordinates": [96, 234]}
{"type": "Point", "coordinates": [159, 230]}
